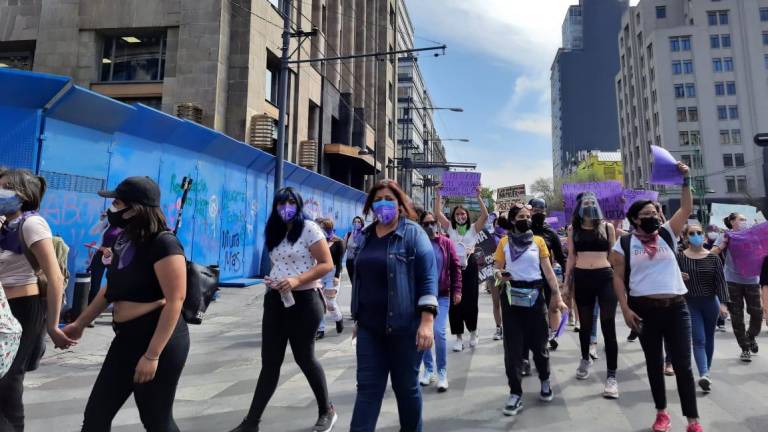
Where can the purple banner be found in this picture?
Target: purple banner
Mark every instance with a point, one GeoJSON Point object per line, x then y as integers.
{"type": "Point", "coordinates": [460, 184]}
{"type": "Point", "coordinates": [562, 220]}
{"type": "Point", "coordinates": [664, 170]}
{"type": "Point", "coordinates": [553, 222]}
{"type": "Point", "coordinates": [748, 249]}
{"type": "Point", "coordinates": [609, 195]}
{"type": "Point", "coordinates": [631, 196]}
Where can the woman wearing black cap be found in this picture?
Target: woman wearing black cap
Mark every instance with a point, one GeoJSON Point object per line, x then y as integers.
{"type": "Point", "coordinates": [146, 284]}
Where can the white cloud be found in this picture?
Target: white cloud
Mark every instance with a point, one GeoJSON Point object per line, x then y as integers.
{"type": "Point", "coordinates": [533, 123]}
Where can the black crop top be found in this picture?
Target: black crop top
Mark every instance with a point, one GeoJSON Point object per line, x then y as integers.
{"type": "Point", "coordinates": [136, 281]}
{"type": "Point", "coordinates": [591, 240]}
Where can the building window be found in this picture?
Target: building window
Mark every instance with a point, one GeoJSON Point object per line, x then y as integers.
{"type": "Point", "coordinates": [728, 64]}
{"type": "Point", "coordinates": [725, 40]}
{"type": "Point", "coordinates": [728, 160]}
{"type": "Point", "coordinates": [17, 55]}
{"type": "Point", "coordinates": [695, 138]}
{"type": "Point", "coordinates": [730, 88]}
{"type": "Point", "coordinates": [725, 138]}
{"type": "Point", "coordinates": [686, 159]}
{"type": "Point", "coordinates": [733, 112]}
{"type": "Point", "coordinates": [741, 184]}
{"type": "Point", "coordinates": [272, 75]}
{"type": "Point", "coordinates": [682, 115]}
{"type": "Point", "coordinates": [738, 159]}
{"type": "Point", "coordinates": [765, 38]}
{"type": "Point", "coordinates": [134, 57]}
{"type": "Point", "coordinates": [723, 15]}
{"type": "Point", "coordinates": [679, 91]}
{"type": "Point", "coordinates": [722, 112]}
{"type": "Point", "coordinates": [661, 12]}
{"type": "Point", "coordinates": [700, 184]}
{"type": "Point", "coordinates": [390, 130]}
{"type": "Point", "coordinates": [693, 114]}
{"type": "Point", "coordinates": [765, 59]}
{"type": "Point", "coordinates": [719, 89]}
{"type": "Point", "coordinates": [392, 17]}
{"type": "Point", "coordinates": [712, 18]}
{"type": "Point", "coordinates": [714, 41]}
{"type": "Point", "coordinates": [690, 90]}
{"type": "Point", "coordinates": [674, 44]}
{"type": "Point", "coordinates": [390, 91]}
{"type": "Point", "coordinates": [736, 136]}
{"type": "Point", "coordinates": [763, 14]}
{"type": "Point", "coordinates": [688, 67]}
{"type": "Point", "coordinates": [717, 65]}
{"type": "Point", "coordinates": [685, 43]}
{"type": "Point", "coordinates": [684, 139]}
{"type": "Point", "coordinates": [730, 184]}
{"type": "Point", "coordinates": [677, 68]}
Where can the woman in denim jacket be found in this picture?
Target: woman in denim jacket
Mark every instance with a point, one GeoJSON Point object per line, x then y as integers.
{"type": "Point", "coordinates": [394, 301]}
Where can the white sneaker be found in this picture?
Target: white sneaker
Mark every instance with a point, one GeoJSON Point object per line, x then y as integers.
{"type": "Point", "coordinates": [611, 389]}
{"type": "Point", "coordinates": [442, 381]}
{"type": "Point", "coordinates": [427, 377]}
{"type": "Point", "coordinates": [473, 338]}
{"type": "Point", "coordinates": [458, 346]}
{"type": "Point", "coordinates": [582, 372]}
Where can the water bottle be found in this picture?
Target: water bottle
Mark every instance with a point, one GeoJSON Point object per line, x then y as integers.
{"type": "Point", "coordinates": [288, 299]}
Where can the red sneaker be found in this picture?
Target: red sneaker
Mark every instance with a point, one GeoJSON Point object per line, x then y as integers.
{"type": "Point", "coordinates": [695, 427]}
{"type": "Point", "coordinates": [662, 423]}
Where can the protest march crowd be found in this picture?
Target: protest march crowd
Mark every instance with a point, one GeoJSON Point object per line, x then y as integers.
{"type": "Point", "coordinates": [415, 273]}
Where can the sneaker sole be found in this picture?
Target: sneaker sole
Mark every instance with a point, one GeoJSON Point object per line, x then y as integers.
{"type": "Point", "coordinates": [546, 398]}
{"type": "Point", "coordinates": [582, 378]}
{"type": "Point", "coordinates": [662, 430]}
{"type": "Point", "coordinates": [705, 386]}
{"type": "Point", "coordinates": [330, 427]}
{"type": "Point", "coordinates": [612, 396]}
{"type": "Point", "coordinates": [511, 413]}
{"type": "Point", "coordinates": [442, 389]}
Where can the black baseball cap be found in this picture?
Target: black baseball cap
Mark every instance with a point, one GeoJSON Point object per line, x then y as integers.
{"type": "Point", "coordinates": [138, 190]}
{"type": "Point", "coordinates": [538, 203]}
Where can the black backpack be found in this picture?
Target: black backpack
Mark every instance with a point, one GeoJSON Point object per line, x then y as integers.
{"type": "Point", "coordinates": [626, 240]}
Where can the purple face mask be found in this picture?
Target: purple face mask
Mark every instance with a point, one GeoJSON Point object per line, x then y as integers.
{"type": "Point", "coordinates": [385, 211]}
{"type": "Point", "coordinates": [287, 211]}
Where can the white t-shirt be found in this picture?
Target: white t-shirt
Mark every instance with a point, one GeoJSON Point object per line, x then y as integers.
{"type": "Point", "coordinates": [464, 244]}
{"type": "Point", "coordinates": [15, 269]}
{"type": "Point", "coordinates": [527, 267]}
{"type": "Point", "coordinates": [660, 275]}
{"type": "Point", "coordinates": [291, 260]}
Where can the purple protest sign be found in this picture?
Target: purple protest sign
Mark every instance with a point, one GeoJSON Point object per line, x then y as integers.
{"type": "Point", "coordinates": [460, 184]}
{"type": "Point", "coordinates": [664, 170]}
{"type": "Point", "coordinates": [632, 196]}
{"type": "Point", "coordinates": [553, 222]}
{"type": "Point", "coordinates": [609, 195]}
{"type": "Point", "coordinates": [562, 221]}
{"type": "Point", "coordinates": [748, 249]}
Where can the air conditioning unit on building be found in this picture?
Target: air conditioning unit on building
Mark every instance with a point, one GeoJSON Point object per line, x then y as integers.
{"type": "Point", "coordinates": [262, 132]}
{"type": "Point", "coordinates": [308, 154]}
{"type": "Point", "coordinates": [190, 111]}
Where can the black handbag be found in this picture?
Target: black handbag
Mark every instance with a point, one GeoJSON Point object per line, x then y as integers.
{"type": "Point", "coordinates": [202, 285]}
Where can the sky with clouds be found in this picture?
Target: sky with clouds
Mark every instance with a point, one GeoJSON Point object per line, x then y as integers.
{"type": "Point", "coordinates": [497, 67]}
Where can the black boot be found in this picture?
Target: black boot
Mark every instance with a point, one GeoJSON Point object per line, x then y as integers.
{"type": "Point", "coordinates": [247, 426]}
{"type": "Point", "coordinates": [339, 326]}
{"type": "Point", "coordinates": [320, 335]}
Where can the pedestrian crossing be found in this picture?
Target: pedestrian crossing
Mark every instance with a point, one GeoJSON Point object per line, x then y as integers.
{"type": "Point", "coordinates": [220, 377]}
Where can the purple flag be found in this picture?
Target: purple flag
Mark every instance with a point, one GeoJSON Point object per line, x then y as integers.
{"type": "Point", "coordinates": [631, 196]}
{"type": "Point", "coordinates": [561, 327]}
{"type": "Point", "coordinates": [664, 170]}
{"type": "Point", "coordinates": [748, 248]}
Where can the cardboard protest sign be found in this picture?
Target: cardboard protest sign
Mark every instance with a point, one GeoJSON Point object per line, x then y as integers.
{"type": "Point", "coordinates": [510, 192]}
{"type": "Point", "coordinates": [664, 170]}
{"type": "Point", "coordinates": [460, 184]}
{"type": "Point", "coordinates": [748, 248]}
{"type": "Point", "coordinates": [484, 250]}
{"type": "Point", "coordinates": [721, 211]}
{"type": "Point", "coordinates": [632, 196]}
{"type": "Point", "coordinates": [609, 195]}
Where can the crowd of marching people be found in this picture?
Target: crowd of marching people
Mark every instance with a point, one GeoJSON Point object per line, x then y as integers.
{"type": "Point", "coordinates": [414, 276]}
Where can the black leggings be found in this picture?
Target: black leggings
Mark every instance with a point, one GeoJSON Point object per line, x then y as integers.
{"type": "Point", "coordinates": [30, 313]}
{"type": "Point", "coordinates": [590, 285]}
{"type": "Point", "coordinates": [97, 269]}
{"type": "Point", "coordinates": [115, 381]}
{"type": "Point", "coordinates": [466, 312]}
{"type": "Point", "coordinates": [351, 270]}
{"type": "Point", "coordinates": [297, 325]}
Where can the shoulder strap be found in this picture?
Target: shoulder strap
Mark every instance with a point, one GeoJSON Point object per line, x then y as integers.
{"type": "Point", "coordinates": [626, 241]}
{"type": "Point", "coordinates": [31, 258]}
{"type": "Point", "coordinates": [663, 233]}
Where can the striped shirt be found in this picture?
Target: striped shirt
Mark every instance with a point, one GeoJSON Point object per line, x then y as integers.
{"type": "Point", "coordinates": [705, 276]}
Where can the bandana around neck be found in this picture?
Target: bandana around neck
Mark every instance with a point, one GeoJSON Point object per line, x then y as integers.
{"type": "Point", "coordinates": [519, 243]}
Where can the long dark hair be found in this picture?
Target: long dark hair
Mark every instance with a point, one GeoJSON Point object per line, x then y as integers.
{"type": "Point", "coordinates": [29, 187]}
{"type": "Point", "coordinates": [145, 224]}
{"type": "Point", "coordinates": [455, 224]}
{"type": "Point", "coordinates": [728, 221]}
{"type": "Point", "coordinates": [276, 228]}
{"type": "Point", "coordinates": [404, 202]}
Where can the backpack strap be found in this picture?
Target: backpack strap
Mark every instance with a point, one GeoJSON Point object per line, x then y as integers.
{"type": "Point", "coordinates": [31, 258]}
{"type": "Point", "coordinates": [664, 233]}
{"type": "Point", "coordinates": [625, 242]}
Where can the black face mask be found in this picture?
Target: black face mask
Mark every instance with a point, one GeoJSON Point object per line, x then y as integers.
{"type": "Point", "coordinates": [523, 225]}
{"type": "Point", "coordinates": [650, 224]}
{"type": "Point", "coordinates": [537, 220]}
{"type": "Point", "coordinates": [115, 218]}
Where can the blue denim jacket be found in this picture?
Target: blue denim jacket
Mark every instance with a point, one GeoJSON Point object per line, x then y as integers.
{"type": "Point", "coordinates": [412, 276]}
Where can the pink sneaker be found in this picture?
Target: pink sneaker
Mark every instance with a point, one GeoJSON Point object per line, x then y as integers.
{"type": "Point", "coordinates": [695, 427]}
{"type": "Point", "coordinates": [662, 423]}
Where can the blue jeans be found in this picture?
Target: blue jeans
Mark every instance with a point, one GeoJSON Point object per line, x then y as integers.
{"type": "Point", "coordinates": [441, 347]}
{"type": "Point", "coordinates": [704, 313]}
{"type": "Point", "coordinates": [380, 356]}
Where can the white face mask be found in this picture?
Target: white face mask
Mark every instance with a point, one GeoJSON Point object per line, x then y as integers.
{"type": "Point", "coordinates": [712, 236]}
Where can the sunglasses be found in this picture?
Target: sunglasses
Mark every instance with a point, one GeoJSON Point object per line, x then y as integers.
{"type": "Point", "coordinates": [693, 233]}
{"type": "Point", "coordinates": [428, 224]}
{"type": "Point", "coordinates": [522, 206]}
